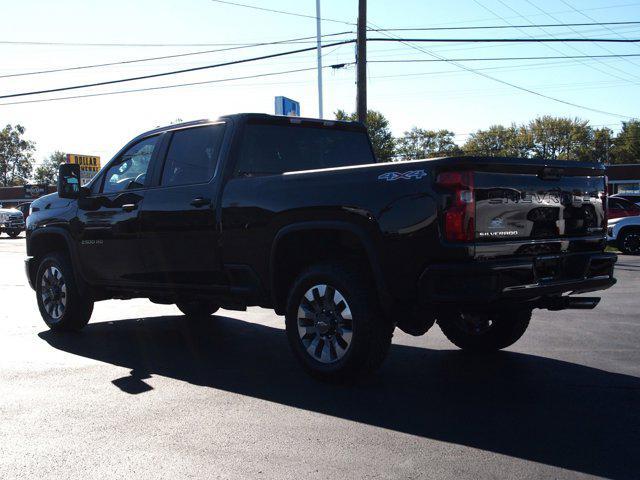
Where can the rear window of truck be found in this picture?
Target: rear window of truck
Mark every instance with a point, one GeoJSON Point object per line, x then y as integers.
{"type": "Point", "coordinates": [275, 149]}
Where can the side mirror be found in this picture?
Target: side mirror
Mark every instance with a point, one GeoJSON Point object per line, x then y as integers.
{"type": "Point", "coordinates": [69, 180]}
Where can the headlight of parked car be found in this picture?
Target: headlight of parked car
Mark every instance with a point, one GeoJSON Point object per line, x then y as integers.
{"type": "Point", "coordinates": [610, 231]}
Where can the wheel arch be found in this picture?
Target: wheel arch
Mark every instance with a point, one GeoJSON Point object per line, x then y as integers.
{"type": "Point", "coordinates": [330, 234]}
{"type": "Point", "coordinates": [51, 239]}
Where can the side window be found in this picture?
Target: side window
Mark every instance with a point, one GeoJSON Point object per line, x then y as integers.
{"type": "Point", "coordinates": [615, 203]}
{"type": "Point", "coordinates": [274, 149]}
{"type": "Point", "coordinates": [193, 155]}
{"type": "Point", "coordinates": [130, 170]}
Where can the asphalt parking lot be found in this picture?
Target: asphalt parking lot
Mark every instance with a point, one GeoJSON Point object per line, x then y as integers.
{"type": "Point", "coordinates": [144, 393]}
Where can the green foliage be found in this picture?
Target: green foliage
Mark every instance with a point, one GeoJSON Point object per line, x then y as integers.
{"type": "Point", "coordinates": [16, 161]}
{"type": "Point", "coordinates": [557, 138]}
{"type": "Point", "coordinates": [418, 143]}
{"type": "Point", "coordinates": [626, 146]}
{"type": "Point", "coordinates": [602, 145]}
{"type": "Point", "coordinates": [499, 141]}
{"type": "Point", "coordinates": [47, 171]}
{"type": "Point", "coordinates": [379, 131]}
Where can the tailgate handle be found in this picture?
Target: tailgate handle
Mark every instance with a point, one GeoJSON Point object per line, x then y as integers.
{"type": "Point", "coordinates": [549, 173]}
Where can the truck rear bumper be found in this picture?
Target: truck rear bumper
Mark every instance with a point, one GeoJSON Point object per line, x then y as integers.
{"type": "Point", "coordinates": [523, 279]}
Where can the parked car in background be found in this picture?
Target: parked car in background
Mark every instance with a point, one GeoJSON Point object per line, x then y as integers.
{"type": "Point", "coordinates": [11, 222]}
{"type": "Point", "coordinates": [624, 234]}
{"type": "Point", "coordinates": [631, 197]}
{"type": "Point", "coordinates": [24, 208]}
{"type": "Point", "coordinates": [620, 207]}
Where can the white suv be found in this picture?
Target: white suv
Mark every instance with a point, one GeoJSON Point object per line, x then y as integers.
{"type": "Point", "coordinates": [624, 233]}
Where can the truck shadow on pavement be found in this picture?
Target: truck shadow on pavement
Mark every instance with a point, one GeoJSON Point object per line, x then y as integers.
{"type": "Point", "coordinates": [535, 408]}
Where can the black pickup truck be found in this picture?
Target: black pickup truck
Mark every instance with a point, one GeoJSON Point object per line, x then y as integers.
{"type": "Point", "coordinates": [296, 215]}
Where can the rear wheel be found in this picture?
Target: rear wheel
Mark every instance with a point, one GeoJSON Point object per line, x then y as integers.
{"type": "Point", "coordinates": [334, 323]}
{"type": "Point", "coordinates": [629, 242]}
{"type": "Point", "coordinates": [61, 305]}
{"type": "Point", "coordinates": [197, 308]}
{"type": "Point", "coordinates": [482, 332]}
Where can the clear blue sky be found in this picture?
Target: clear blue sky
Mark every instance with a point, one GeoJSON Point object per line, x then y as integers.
{"type": "Point", "coordinates": [429, 95]}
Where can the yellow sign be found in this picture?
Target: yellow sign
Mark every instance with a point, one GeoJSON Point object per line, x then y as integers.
{"type": "Point", "coordinates": [88, 163]}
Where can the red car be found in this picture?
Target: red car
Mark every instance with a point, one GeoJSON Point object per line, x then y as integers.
{"type": "Point", "coordinates": [619, 207]}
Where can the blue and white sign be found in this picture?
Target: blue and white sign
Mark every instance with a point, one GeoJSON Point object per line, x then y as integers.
{"type": "Point", "coordinates": [288, 107]}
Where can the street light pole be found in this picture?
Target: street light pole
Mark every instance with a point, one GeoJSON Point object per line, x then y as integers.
{"type": "Point", "coordinates": [319, 35]}
{"type": "Point", "coordinates": [361, 80]}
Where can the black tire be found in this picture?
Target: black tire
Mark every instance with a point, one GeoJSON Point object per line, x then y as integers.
{"type": "Point", "coordinates": [77, 309]}
{"type": "Point", "coordinates": [484, 333]}
{"type": "Point", "coordinates": [198, 309]}
{"type": "Point", "coordinates": [370, 332]}
{"type": "Point", "coordinates": [13, 233]}
{"type": "Point", "coordinates": [629, 242]}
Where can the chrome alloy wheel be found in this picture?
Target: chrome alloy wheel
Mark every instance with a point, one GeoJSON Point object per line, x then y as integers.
{"type": "Point", "coordinates": [53, 291]}
{"type": "Point", "coordinates": [325, 324]}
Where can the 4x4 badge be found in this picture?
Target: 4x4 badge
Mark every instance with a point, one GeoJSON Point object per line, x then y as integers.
{"type": "Point", "coordinates": [410, 175]}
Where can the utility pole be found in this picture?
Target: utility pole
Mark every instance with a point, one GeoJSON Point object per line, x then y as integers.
{"type": "Point", "coordinates": [361, 54]}
{"type": "Point", "coordinates": [318, 36]}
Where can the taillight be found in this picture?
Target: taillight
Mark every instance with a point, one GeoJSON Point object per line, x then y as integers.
{"type": "Point", "coordinates": [459, 216]}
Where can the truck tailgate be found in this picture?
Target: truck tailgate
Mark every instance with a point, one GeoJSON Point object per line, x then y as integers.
{"type": "Point", "coordinates": [529, 202]}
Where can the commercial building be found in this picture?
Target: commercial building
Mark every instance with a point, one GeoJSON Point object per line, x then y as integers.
{"type": "Point", "coordinates": [12, 196]}
{"type": "Point", "coordinates": [624, 178]}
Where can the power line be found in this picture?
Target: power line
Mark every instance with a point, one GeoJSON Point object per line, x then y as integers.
{"type": "Point", "coordinates": [591, 18]}
{"type": "Point", "coordinates": [243, 45]}
{"type": "Point", "coordinates": [504, 82]}
{"type": "Point", "coordinates": [83, 44]}
{"type": "Point", "coordinates": [498, 27]}
{"type": "Point", "coordinates": [504, 40]}
{"type": "Point", "coordinates": [282, 12]}
{"type": "Point", "coordinates": [551, 16]}
{"type": "Point", "coordinates": [607, 7]}
{"type": "Point", "coordinates": [164, 57]}
{"type": "Point", "coordinates": [174, 72]}
{"type": "Point", "coordinates": [551, 47]}
{"type": "Point", "coordinates": [177, 85]}
{"type": "Point", "coordinates": [394, 39]}
{"type": "Point", "coordinates": [496, 59]}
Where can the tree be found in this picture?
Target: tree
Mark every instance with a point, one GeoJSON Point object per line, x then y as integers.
{"type": "Point", "coordinates": [379, 131]}
{"type": "Point", "coordinates": [626, 145]}
{"type": "Point", "coordinates": [47, 171]}
{"type": "Point", "coordinates": [552, 138]}
{"type": "Point", "coordinates": [418, 143]}
{"type": "Point", "coordinates": [602, 145]}
{"type": "Point", "coordinates": [496, 141]}
{"type": "Point", "coordinates": [16, 161]}
{"type": "Point", "coordinates": [500, 141]}
{"type": "Point", "coordinates": [558, 138]}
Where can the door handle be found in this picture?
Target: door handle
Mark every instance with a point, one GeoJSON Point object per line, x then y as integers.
{"type": "Point", "coordinates": [200, 202]}
{"type": "Point", "coordinates": [129, 207]}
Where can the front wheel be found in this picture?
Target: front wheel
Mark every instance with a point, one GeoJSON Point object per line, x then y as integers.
{"type": "Point", "coordinates": [13, 233]}
{"type": "Point", "coordinates": [629, 242]}
{"type": "Point", "coordinates": [197, 309]}
{"type": "Point", "coordinates": [484, 332]}
{"type": "Point", "coordinates": [334, 323]}
{"type": "Point", "coordinates": [61, 304]}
